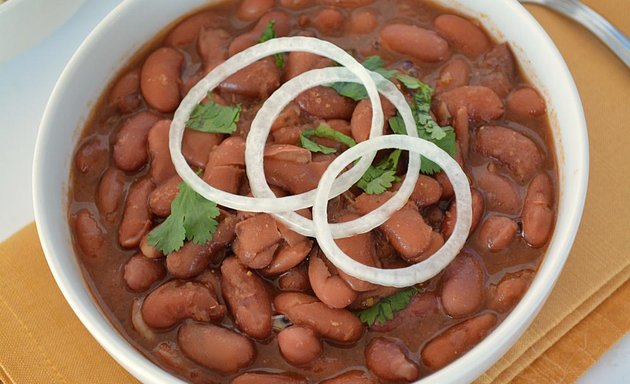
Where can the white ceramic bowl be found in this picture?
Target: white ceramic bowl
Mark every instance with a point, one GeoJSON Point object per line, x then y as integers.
{"type": "Point", "coordinates": [120, 35]}
{"type": "Point", "coordinates": [23, 23]}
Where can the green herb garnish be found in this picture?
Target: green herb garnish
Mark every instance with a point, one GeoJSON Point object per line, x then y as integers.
{"type": "Point", "coordinates": [428, 129]}
{"type": "Point", "coordinates": [268, 34]}
{"type": "Point", "coordinates": [379, 178]}
{"type": "Point", "coordinates": [384, 310]}
{"type": "Point", "coordinates": [324, 131]}
{"type": "Point", "coordinates": [357, 91]}
{"type": "Point", "coordinates": [214, 118]}
{"type": "Point", "coordinates": [192, 218]}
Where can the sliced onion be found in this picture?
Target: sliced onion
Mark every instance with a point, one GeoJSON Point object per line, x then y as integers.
{"type": "Point", "coordinates": [229, 67]}
{"type": "Point", "coordinates": [257, 137]}
{"type": "Point", "coordinates": [417, 273]}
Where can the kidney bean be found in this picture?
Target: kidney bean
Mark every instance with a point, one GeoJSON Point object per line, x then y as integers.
{"type": "Point", "coordinates": [293, 177]}
{"type": "Point", "coordinates": [215, 347]}
{"type": "Point", "coordinates": [299, 345]}
{"type": "Point", "coordinates": [437, 241]}
{"type": "Point", "coordinates": [125, 93]}
{"type": "Point", "coordinates": [361, 122]}
{"type": "Point", "coordinates": [257, 80]}
{"type": "Point", "coordinates": [405, 229]}
{"type": "Point", "coordinates": [160, 79]}
{"type": "Point", "coordinates": [329, 21]}
{"type": "Point", "coordinates": [456, 341]}
{"type": "Point", "coordinates": [110, 193]}
{"type": "Point", "coordinates": [281, 28]}
{"type": "Point", "coordinates": [451, 215]}
{"type": "Point", "coordinates": [197, 145]}
{"type": "Point", "coordinates": [497, 233]}
{"type": "Point", "coordinates": [462, 133]}
{"type": "Point", "coordinates": [300, 62]}
{"type": "Point", "coordinates": [445, 183]}
{"type": "Point", "coordinates": [136, 220]}
{"type": "Point", "coordinates": [149, 250]}
{"type": "Point", "coordinates": [288, 256]}
{"type": "Point", "coordinates": [497, 70]}
{"type": "Point", "coordinates": [481, 102]}
{"type": "Point", "coordinates": [295, 279]}
{"type": "Point", "coordinates": [462, 35]}
{"type": "Point", "coordinates": [231, 151]}
{"type": "Point", "coordinates": [501, 193]}
{"type": "Point", "coordinates": [421, 305]}
{"type": "Point", "coordinates": [91, 158]}
{"type": "Point", "coordinates": [359, 247]}
{"type": "Point", "coordinates": [427, 191]}
{"type": "Point", "coordinates": [290, 115]}
{"type": "Point", "coordinates": [188, 261]}
{"type": "Point", "coordinates": [538, 216]}
{"type": "Point", "coordinates": [254, 236]}
{"type": "Point", "coordinates": [362, 22]}
{"type": "Point", "coordinates": [250, 10]}
{"type": "Point", "coordinates": [509, 291]}
{"type": "Point", "coordinates": [462, 286]}
{"type": "Point", "coordinates": [187, 31]}
{"type": "Point", "coordinates": [326, 103]}
{"type": "Point", "coordinates": [526, 102]}
{"type": "Point", "coordinates": [287, 135]}
{"type": "Point", "coordinates": [389, 360]}
{"type": "Point", "coordinates": [331, 289]}
{"type": "Point", "coordinates": [213, 47]}
{"type": "Point", "coordinates": [286, 152]}
{"type": "Point", "coordinates": [336, 324]}
{"type": "Point", "coordinates": [351, 377]}
{"type": "Point", "coordinates": [162, 197]}
{"type": "Point", "coordinates": [247, 298]}
{"type": "Point", "coordinates": [517, 152]}
{"type": "Point", "coordinates": [88, 233]}
{"type": "Point", "coordinates": [170, 355]}
{"type": "Point", "coordinates": [177, 300]}
{"type": "Point", "coordinates": [455, 74]}
{"type": "Point", "coordinates": [130, 147]}
{"type": "Point", "coordinates": [141, 272]}
{"type": "Point", "coordinates": [268, 378]}
{"type": "Point", "coordinates": [224, 177]}
{"type": "Point", "coordinates": [418, 43]}
{"type": "Point", "coordinates": [162, 167]}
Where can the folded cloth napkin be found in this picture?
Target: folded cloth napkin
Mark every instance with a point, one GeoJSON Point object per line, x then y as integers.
{"type": "Point", "coordinates": [42, 341]}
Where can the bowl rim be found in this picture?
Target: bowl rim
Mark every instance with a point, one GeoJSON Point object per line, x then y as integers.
{"type": "Point", "coordinates": [466, 368]}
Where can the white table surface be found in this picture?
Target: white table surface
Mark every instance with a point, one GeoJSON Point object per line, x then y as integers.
{"type": "Point", "coordinates": [25, 85]}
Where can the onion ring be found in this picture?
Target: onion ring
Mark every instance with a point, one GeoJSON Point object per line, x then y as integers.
{"type": "Point", "coordinates": [417, 273]}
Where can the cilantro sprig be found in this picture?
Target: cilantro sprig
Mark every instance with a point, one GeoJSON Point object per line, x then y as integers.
{"type": "Point", "coordinates": [428, 129]}
{"type": "Point", "coordinates": [384, 310]}
{"type": "Point", "coordinates": [192, 218]}
{"type": "Point", "coordinates": [214, 118]}
{"type": "Point", "coordinates": [324, 131]}
{"type": "Point", "coordinates": [268, 34]}
{"type": "Point", "coordinates": [357, 91]}
{"type": "Point", "coordinates": [379, 178]}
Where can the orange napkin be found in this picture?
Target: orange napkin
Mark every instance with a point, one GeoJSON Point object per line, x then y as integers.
{"type": "Point", "coordinates": [42, 341]}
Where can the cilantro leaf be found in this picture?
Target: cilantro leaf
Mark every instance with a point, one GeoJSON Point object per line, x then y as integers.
{"type": "Point", "coordinates": [214, 118]}
{"type": "Point", "coordinates": [409, 81]}
{"type": "Point", "coordinates": [428, 129]}
{"type": "Point", "coordinates": [268, 34]}
{"type": "Point", "coordinates": [385, 309]}
{"type": "Point", "coordinates": [357, 91]}
{"type": "Point", "coordinates": [379, 178]}
{"type": "Point", "coordinates": [327, 132]}
{"type": "Point", "coordinates": [192, 218]}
